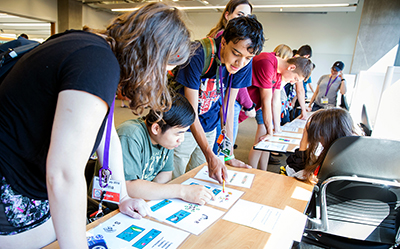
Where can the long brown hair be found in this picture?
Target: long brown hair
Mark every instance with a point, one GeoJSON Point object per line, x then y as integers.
{"type": "Point", "coordinates": [145, 41]}
{"type": "Point", "coordinates": [325, 126]}
{"type": "Point", "coordinates": [230, 8]}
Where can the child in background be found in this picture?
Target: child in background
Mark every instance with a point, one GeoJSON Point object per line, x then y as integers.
{"type": "Point", "coordinates": [233, 9]}
{"type": "Point", "coordinates": [322, 129]}
{"type": "Point", "coordinates": [148, 152]}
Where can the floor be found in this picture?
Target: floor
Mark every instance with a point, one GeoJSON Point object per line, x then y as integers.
{"type": "Point", "coordinates": [244, 142]}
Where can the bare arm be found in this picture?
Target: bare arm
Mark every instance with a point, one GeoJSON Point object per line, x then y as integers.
{"type": "Point", "coordinates": [135, 208]}
{"type": "Point", "coordinates": [343, 85]}
{"type": "Point", "coordinates": [216, 167]}
{"type": "Point", "coordinates": [301, 97]}
{"type": "Point", "coordinates": [314, 96]}
{"type": "Point", "coordinates": [309, 85]}
{"type": "Point", "coordinates": [276, 110]}
{"type": "Point", "coordinates": [229, 126]}
{"type": "Point", "coordinates": [76, 123]}
{"type": "Point", "coordinates": [266, 106]}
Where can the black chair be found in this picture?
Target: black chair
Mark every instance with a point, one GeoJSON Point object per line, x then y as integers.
{"type": "Point", "coordinates": [357, 200]}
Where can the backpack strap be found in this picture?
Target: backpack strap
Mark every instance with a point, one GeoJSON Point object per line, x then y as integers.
{"type": "Point", "coordinates": [209, 49]}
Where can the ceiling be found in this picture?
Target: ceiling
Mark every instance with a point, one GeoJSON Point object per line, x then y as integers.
{"type": "Point", "coordinates": [218, 5]}
{"type": "Point", "coordinates": [36, 29]}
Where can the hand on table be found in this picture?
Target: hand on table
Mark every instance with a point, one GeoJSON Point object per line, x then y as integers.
{"type": "Point", "coordinates": [304, 114]}
{"type": "Point", "coordinates": [265, 137]}
{"type": "Point", "coordinates": [237, 163]}
{"type": "Point", "coordinates": [217, 169]}
{"type": "Point", "coordinates": [196, 194]}
{"type": "Point", "coordinates": [134, 207]}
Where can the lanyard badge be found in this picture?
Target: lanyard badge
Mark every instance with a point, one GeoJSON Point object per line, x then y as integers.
{"type": "Point", "coordinates": [224, 143]}
{"type": "Point", "coordinates": [110, 192]}
{"type": "Point", "coordinates": [225, 146]}
{"type": "Point", "coordinates": [105, 189]}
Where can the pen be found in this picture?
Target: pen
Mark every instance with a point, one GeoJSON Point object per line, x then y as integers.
{"type": "Point", "coordinates": [223, 185]}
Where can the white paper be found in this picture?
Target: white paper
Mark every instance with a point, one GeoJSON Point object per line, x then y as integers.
{"type": "Point", "coordinates": [221, 199]}
{"type": "Point", "coordinates": [298, 123]}
{"type": "Point", "coordinates": [122, 231]}
{"type": "Point", "coordinates": [235, 178]}
{"type": "Point", "coordinates": [289, 128]}
{"type": "Point", "coordinates": [254, 215]}
{"type": "Point", "coordinates": [284, 140]}
{"type": "Point", "coordinates": [289, 227]}
{"type": "Point", "coordinates": [301, 194]}
{"type": "Point", "coordinates": [290, 134]}
{"type": "Point", "coordinates": [267, 145]}
{"type": "Point", "coordinates": [184, 215]}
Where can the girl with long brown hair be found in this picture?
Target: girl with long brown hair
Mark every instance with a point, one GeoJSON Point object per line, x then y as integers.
{"type": "Point", "coordinates": [67, 86]}
{"type": "Point", "coordinates": [234, 8]}
{"type": "Point", "coordinates": [322, 129]}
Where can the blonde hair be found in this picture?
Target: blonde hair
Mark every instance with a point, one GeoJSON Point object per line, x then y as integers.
{"type": "Point", "coordinates": [283, 51]}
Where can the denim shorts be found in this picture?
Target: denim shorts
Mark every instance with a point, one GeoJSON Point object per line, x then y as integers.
{"type": "Point", "coordinates": [259, 117]}
{"type": "Point", "coordinates": [19, 213]}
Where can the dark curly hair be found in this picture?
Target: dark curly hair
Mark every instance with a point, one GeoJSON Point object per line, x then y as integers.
{"type": "Point", "coordinates": [245, 27]}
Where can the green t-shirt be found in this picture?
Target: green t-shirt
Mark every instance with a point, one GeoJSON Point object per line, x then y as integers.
{"type": "Point", "coordinates": [142, 159]}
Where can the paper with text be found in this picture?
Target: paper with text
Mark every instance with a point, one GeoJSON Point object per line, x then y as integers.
{"type": "Point", "coordinates": [235, 178]}
{"type": "Point", "coordinates": [184, 215]}
{"type": "Point", "coordinates": [267, 145]}
{"type": "Point", "coordinates": [284, 140]}
{"type": "Point", "coordinates": [254, 215]}
{"type": "Point", "coordinates": [221, 199]}
{"type": "Point", "coordinates": [122, 231]}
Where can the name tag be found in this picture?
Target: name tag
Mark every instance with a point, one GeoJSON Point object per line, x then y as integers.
{"type": "Point", "coordinates": [113, 190]}
{"type": "Point", "coordinates": [324, 100]}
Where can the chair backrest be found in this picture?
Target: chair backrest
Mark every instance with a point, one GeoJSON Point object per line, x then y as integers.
{"type": "Point", "coordinates": [364, 157]}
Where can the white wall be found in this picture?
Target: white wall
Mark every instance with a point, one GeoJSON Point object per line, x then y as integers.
{"type": "Point", "coordinates": [96, 19]}
{"type": "Point", "coordinates": [332, 36]}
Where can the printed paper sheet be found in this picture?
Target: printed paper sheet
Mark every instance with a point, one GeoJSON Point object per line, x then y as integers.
{"type": "Point", "coordinates": [235, 178]}
{"type": "Point", "coordinates": [122, 231]}
{"type": "Point", "coordinates": [221, 199]}
{"type": "Point", "coordinates": [184, 215]}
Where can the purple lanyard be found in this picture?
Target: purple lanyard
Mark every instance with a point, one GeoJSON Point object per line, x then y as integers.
{"type": "Point", "coordinates": [105, 172]}
{"type": "Point", "coordinates": [225, 111]}
{"type": "Point", "coordinates": [329, 85]}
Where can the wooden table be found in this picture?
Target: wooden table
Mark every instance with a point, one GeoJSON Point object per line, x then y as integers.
{"type": "Point", "coordinates": [291, 147]}
{"type": "Point", "coordinates": [268, 188]}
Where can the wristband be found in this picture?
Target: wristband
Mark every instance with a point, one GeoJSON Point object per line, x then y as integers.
{"type": "Point", "coordinates": [342, 79]}
{"type": "Point", "coordinates": [227, 158]}
{"type": "Point", "coordinates": [251, 108]}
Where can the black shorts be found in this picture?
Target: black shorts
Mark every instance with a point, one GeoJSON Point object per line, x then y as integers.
{"type": "Point", "coordinates": [19, 213]}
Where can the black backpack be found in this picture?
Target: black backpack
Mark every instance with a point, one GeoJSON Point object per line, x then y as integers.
{"type": "Point", "coordinates": [11, 52]}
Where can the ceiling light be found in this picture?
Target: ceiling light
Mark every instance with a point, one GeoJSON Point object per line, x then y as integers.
{"type": "Point", "coordinates": [27, 24]}
{"type": "Point", "coordinates": [8, 35]}
{"type": "Point", "coordinates": [255, 6]}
